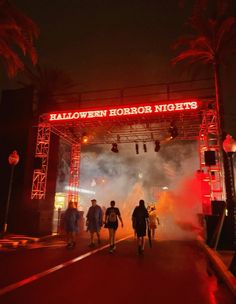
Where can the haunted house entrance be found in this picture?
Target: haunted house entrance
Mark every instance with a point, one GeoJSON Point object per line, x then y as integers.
{"type": "Point", "coordinates": [155, 113]}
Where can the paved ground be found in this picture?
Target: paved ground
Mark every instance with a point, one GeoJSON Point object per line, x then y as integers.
{"type": "Point", "coordinates": [170, 272]}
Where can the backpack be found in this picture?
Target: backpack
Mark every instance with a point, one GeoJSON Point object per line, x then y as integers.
{"type": "Point", "coordinates": [139, 216]}
{"type": "Point", "coordinates": [112, 216]}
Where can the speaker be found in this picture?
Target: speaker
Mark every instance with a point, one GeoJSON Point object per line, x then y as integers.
{"type": "Point", "coordinates": [211, 224]}
{"type": "Point", "coordinates": [210, 158]}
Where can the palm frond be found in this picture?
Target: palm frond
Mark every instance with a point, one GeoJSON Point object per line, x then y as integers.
{"type": "Point", "coordinates": [225, 28]}
{"type": "Point", "coordinates": [51, 84]}
{"type": "Point", "coordinates": [191, 54]}
{"type": "Point", "coordinates": [214, 37]}
{"type": "Point", "coordinates": [18, 32]}
{"type": "Point", "coordinates": [10, 59]}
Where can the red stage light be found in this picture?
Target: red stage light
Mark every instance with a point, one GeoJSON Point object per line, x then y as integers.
{"type": "Point", "coordinates": [84, 139]}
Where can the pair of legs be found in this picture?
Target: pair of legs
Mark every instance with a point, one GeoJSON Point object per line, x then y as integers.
{"type": "Point", "coordinates": [153, 232]}
{"type": "Point", "coordinates": [141, 242]}
{"type": "Point", "coordinates": [71, 236]}
{"type": "Point", "coordinates": [141, 233]}
{"type": "Point", "coordinates": [92, 237]}
{"type": "Point", "coordinates": [112, 234]}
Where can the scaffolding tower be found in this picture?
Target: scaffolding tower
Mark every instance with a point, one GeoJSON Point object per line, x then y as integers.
{"type": "Point", "coordinates": [212, 171]}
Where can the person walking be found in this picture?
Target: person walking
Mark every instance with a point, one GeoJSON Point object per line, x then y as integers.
{"type": "Point", "coordinates": [94, 222]}
{"type": "Point", "coordinates": [111, 222]}
{"type": "Point", "coordinates": [153, 220]}
{"type": "Point", "coordinates": [140, 221]}
{"type": "Point", "coordinates": [71, 219]}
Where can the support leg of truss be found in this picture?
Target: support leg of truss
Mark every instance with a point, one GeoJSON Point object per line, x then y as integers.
{"type": "Point", "coordinates": [39, 183]}
{"type": "Point", "coordinates": [74, 172]}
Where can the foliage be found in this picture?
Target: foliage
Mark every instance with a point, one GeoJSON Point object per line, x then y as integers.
{"type": "Point", "coordinates": [17, 32]}
{"type": "Point", "coordinates": [51, 85]}
{"type": "Point", "coordinates": [213, 37]}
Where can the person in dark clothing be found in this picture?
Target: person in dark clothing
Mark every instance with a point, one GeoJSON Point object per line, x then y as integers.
{"type": "Point", "coordinates": [71, 219]}
{"type": "Point", "coordinates": [140, 221]}
{"type": "Point", "coordinates": [94, 222]}
{"type": "Point", "coordinates": [111, 222]}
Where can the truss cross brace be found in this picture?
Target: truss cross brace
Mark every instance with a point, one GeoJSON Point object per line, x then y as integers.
{"type": "Point", "coordinates": [39, 183]}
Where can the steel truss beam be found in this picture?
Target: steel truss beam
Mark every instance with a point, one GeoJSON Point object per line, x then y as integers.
{"type": "Point", "coordinates": [74, 172]}
{"type": "Point", "coordinates": [130, 130]}
{"type": "Point", "coordinates": [39, 183]}
{"type": "Point", "coordinates": [209, 141]}
{"type": "Point", "coordinates": [202, 126]}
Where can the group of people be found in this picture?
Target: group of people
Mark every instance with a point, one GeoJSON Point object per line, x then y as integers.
{"type": "Point", "coordinates": [142, 218]}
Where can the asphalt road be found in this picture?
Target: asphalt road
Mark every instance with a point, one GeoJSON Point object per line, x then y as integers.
{"type": "Point", "coordinates": [169, 272]}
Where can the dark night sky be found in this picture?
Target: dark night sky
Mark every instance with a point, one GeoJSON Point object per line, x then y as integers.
{"type": "Point", "coordinates": [105, 43]}
{"type": "Point", "coordinates": [109, 44]}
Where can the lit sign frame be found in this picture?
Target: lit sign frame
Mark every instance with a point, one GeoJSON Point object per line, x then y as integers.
{"type": "Point", "coordinates": [124, 111]}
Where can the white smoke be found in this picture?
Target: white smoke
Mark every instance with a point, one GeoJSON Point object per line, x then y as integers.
{"type": "Point", "coordinates": [127, 177]}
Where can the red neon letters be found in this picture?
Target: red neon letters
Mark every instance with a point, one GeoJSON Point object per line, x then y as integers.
{"type": "Point", "coordinates": [125, 111]}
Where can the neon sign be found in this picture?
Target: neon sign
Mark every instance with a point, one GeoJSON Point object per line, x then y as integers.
{"type": "Point", "coordinates": [121, 111]}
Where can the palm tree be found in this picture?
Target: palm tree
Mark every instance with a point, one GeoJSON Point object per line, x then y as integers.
{"type": "Point", "coordinates": [51, 86]}
{"type": "Point", "coordinates": [17, 33]}
{"type": "Point", "coordinates": [212, 41]}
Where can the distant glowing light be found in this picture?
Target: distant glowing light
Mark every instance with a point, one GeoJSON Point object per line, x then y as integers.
{"type": "Point", "coordinates": [93, 183]}
{"type": "Point", "coordinates": [85, 139]}
{"type": "Point", "coordinates": [165, 188]}
{"type": "Point", "coordinates": [140, 175]}
{"type": "Point", "coordinates": [229, 144]}
{"type": "Point", "coordinates": [76, 189]}
{"type": "Point", "coordinates": [60, 201]}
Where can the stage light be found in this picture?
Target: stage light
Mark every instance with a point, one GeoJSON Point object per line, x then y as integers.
{"type": "Point", "coordinates": [140, 175]}
{"type": "Point", "coordinates": [144, 147]}
{"type": "Point", "coordinates": [114, 148]}
{"type": "Point", "coordinates": [84, 138]}
{"type": "Point", "coordinates": [157, 146]}
{"type": "Point", "coordinates": [173, 130]}
{"type": "Point", "coordinates": [137, 148]}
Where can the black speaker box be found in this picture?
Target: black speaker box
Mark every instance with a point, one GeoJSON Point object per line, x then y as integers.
{"type": "Point", "coordinates": [210, 158]}
{"type": "Point", "coordinates": [211, 223]}
{"type": "Point", "coordinates": [225, 240]}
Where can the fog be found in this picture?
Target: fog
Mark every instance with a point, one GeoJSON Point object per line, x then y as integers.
{"type": "Point", "coordinates": [166, 179]}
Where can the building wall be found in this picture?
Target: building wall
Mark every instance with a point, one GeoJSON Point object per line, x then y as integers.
{"type": "Point", "coordinates": [15, 126]}
{"type": "Point", "coordinates": [18, 131]}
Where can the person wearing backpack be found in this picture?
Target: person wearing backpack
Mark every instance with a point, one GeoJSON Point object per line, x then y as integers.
{"type": "Point", "coordinates": [111, 222]}
{"type": "Point", "coordinates": [140, 220]}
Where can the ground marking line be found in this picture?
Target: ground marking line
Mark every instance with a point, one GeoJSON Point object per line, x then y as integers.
{"type": "Point", "coordinates": [44, 273]}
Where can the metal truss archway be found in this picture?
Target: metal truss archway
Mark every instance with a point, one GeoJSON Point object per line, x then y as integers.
{"type": "Point", "coordinates": [200, 125]}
